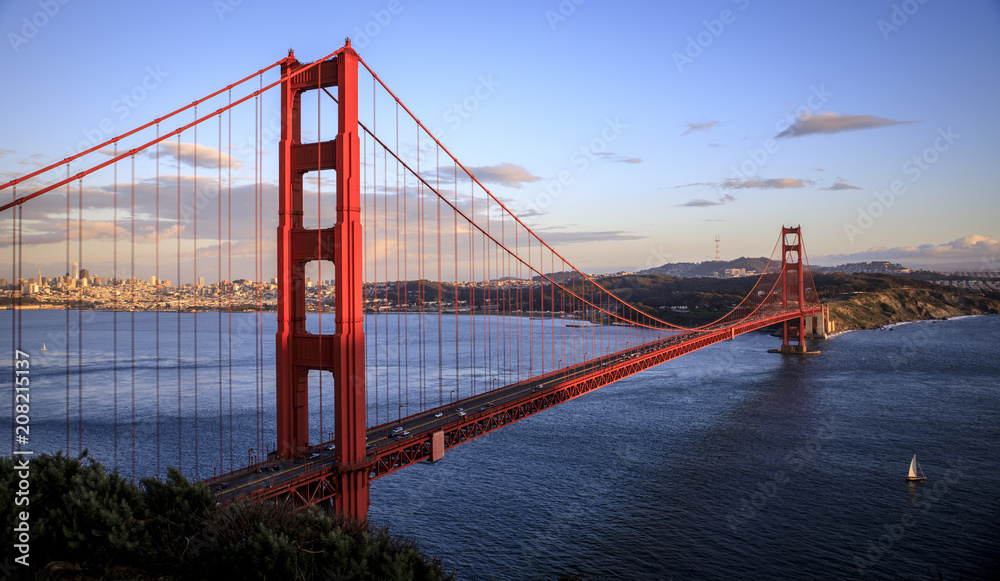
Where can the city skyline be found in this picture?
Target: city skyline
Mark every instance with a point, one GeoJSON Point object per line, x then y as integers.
{"type": "Point", "coordinates": [868, 124]}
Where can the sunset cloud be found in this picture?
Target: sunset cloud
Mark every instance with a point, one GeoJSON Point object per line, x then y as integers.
{"type": "Point", "coordinates": [703, 203]}
{"type": "Point", "coordinates": [703, 126]}
{"type": "Point", "coordinates": [974, 246]}
{"type": "Point", "coordinates": [558, 238]}
{"type": "Point", "coordinates": [841, 186]}
{"type": "Point", "coordinates": [808, 124]}
{"type": "Point", "coordinates": [206, 156]}
{"type": "Point", "coordinates": [619, 158]}
{"type": "Point", "coordinates": [505, 174]}
{"type": "Point", "coordinates": [765, 184]}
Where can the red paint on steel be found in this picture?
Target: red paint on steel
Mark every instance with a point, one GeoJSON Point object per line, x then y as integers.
{"type": "Point", "coordinates": [349, 340]}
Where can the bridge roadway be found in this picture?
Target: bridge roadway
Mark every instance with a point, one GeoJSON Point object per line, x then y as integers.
{"type": "Point", "coordinates": [395, 445]}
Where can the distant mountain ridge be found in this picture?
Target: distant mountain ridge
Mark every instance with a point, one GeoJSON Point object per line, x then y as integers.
{"type": "Point", "coordinates": [718, 267]}
{"type": "Point", "coordinates": [707, 268]}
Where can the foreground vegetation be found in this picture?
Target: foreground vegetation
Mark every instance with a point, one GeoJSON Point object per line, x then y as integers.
{"type": "Point", "coordinates": [89, 523]}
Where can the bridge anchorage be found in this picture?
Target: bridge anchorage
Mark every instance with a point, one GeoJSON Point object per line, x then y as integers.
{"type": "Point", "coordinates": [453, 318]}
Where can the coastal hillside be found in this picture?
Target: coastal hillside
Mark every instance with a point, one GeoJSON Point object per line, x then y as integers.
{"type": "Point", "coordinates": [856, 301]}
{"type": "Point", "coordinates": [870, 310]}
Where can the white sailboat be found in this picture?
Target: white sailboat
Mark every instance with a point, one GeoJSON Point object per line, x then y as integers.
{"type": "Point", "coordinates": [43, 347]}
{"type": "Point", "coordinates": [916, 473]}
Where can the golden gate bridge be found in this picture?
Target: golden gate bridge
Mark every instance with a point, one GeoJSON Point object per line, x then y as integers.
{"type": "Point", "coordinates": [452, 317]}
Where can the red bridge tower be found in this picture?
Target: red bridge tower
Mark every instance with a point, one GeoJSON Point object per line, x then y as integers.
{"type": "Point", "coordinates": [298, 351]}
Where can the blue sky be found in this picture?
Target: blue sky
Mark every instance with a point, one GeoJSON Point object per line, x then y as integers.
{"type": "Point", "coordinates": [676, 121]}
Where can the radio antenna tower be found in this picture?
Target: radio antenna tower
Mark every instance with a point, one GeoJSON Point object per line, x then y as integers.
{"type": "Point", "coordinates": [717, 247]}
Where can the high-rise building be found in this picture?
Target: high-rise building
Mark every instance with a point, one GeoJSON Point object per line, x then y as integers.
{"type": "Point", "coordinates": [201, 281]}
{"type": "Point", "coordinates": [76, 270]}
{"type": "Point", "coordinates": [84, 273]}
{"type": "Point", "coordinates": [152, 279]}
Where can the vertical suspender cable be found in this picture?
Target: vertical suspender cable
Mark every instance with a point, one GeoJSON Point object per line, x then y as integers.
{"type": "Point", "coordinates": [319, 241]}
{"type": "Point", "coordinates": [156, 234]}
{"type": "Point", "coordinates": [422, 348]}
{"type": "Point", "coordinates": [197, 291]}
{"type": "Point", "coordinates": [217, 291]}
{"type": "Point", "coordinates": [406, 283]}
{"type": "Point", "coordinates": [79, 312]}
{"type": "Point", "coordinates": [14, 314]}
{"type": "Point", "coordinates": [257, 277]}
{"type": "Point", "coordinates": [229, 265]}
{"type": "Point", "coordinates": [399, 302]}
{"type": "Point", "coordinates": [440, 341]}
{"type": "Point", "coordinates": [68, 279]}
{"type": "Point", "coordinates": [114, 311]}
{"type": "Point", "coordinates": [132, 310]}
{"type": "Point", "coordinates": [385, 271]}
{"type": "Point", "coordinates": [180, 409]}
{"type": "Point", "coordinates": [454, 299]}
{"type": "Point", "coordinates": [371, 223]}
{"type": "Point", "coordinates": [472, 284]}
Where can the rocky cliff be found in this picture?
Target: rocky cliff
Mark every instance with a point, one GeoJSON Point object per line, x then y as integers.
{"type": "Point", "coordinates": [871, 310]}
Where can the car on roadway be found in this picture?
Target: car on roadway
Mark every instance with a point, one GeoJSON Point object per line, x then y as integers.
{"type": "Point", "coordinates": [439, 414]}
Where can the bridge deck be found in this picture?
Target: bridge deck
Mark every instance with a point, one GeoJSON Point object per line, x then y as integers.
{"type": "Point", "coordinates": [307, 478]}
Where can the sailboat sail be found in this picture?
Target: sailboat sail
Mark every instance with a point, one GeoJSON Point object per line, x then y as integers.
{"type": "Point", "coordinates": [913, 467]}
